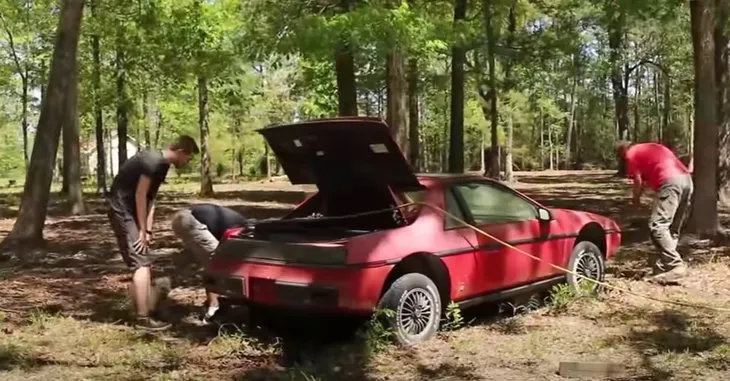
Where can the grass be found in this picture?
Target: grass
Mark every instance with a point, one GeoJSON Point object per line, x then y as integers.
{"type": "Point", "coordinates": [64, 318]}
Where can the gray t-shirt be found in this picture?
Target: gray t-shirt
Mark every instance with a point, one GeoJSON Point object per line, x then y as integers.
{"type": "Point", "coordinates": [145, 162]}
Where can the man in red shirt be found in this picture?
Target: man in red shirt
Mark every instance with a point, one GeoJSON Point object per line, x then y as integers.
{"type": "Point", "coordinates": [655, 166]}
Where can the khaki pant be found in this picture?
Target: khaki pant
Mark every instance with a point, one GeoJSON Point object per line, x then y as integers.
{"type": "Point", "coordinates": [196, 237]}
{"type": "Point", "coordinates": [667, 217]}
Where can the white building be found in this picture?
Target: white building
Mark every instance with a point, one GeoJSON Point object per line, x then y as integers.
{"type": "Point", "coordinates": [111, 152]}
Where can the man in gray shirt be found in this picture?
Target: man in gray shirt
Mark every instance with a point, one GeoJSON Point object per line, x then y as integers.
{"type": "Point", "coordinates": [131, 212]}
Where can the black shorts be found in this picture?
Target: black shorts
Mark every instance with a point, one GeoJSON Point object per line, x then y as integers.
{"type": "Point", "coordinates": [126, 231]}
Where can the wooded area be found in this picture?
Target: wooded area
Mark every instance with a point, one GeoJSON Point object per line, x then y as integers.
{"type": "Point", "coordinates": [492, 85]}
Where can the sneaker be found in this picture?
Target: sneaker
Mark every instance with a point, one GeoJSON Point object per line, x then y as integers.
{"type": "Point", "coordinates": [672, 276]}
{"type": "Point", "coordinates": [209, 317]}
{"type": "Point", "coordinates": [149, 324]}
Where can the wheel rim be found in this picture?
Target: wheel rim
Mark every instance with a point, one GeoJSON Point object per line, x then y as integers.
{"type": "Point", "coordinates": [415, 312]}
{"type": "Point", "coordinates": [587, 264]}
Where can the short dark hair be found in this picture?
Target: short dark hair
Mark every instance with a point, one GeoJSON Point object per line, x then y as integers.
{"type": "Point", "coordinates": [186, 144]}
{"type": "Point", "coordinates": [622, 145]}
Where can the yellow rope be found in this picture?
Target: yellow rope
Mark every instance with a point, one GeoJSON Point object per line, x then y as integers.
{"type": "Point", "coordinates": [601, 283]}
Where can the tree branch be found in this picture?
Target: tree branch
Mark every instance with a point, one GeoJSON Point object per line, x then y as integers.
{"type": "Point", "coordinates": [13, 53]}
{"type": "Point", "coordinates": [647, 62]}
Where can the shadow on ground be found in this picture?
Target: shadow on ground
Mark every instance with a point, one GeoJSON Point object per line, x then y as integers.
{"type": "Point", "coordinates": [656, 336]}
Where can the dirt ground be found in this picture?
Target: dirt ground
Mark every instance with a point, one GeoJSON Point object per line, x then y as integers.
{"type": "Point", "coordinates": [63, 312]}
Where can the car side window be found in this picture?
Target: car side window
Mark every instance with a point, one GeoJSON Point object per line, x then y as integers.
{"type": "Point", "coordinates": [491, 203]}
{"type": "Point", "coordinates": [452, 206]}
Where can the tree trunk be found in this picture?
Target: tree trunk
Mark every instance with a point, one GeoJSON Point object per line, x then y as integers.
{"type": "Point", "coordinates": [508, 174]}
{"type": "Point", "coordinates": [704, 207]}
{"type": "Point", "coordinates": [491, 95]}
{"type": "Point", "coordinates": [413, 123]}
{"type": "Point", "coordinates": [206, 180]}
{"type": "Point", "coordinates": [456, 133]}
{"type": "Point", "coordinates": [239, 159]}
{"type": "Point", "coordinates": [397, 97]}
{"type": "Point", "coordinates": [24, 118]}
{"type": "Point", "coordinates": [28, 227]}
{"type": "Point", "coordinates": [657, 106]}
{"type": "Point", "coordinates": [571, 116]}
{"type": "Point", "coordinates": [345, 71]}
{"type": "Point", "coordinates": [146, 120]}
{"type": "Point", "coordinates": [444, 157]}
{"type": "Point", "coordinates": [550, 148]}
{"type": "Point", "coordinates": [667, 108]}
{"type": "Point", "coordinates": [723, 101]}
{"type": "Point", "coordinates": [542, 141]}
{"type": "Point", "coordinates": [98, 109]}
{"type": "Point", "coordinates": [616, 25]}
{"type": "Point", "coordinates": [160, 125]}
{"type": "Point", "coordinates": [122, 118]}
{"type": "Point", "coordinates": [637, 100]}
{"type": "Point", "coordinates": [71, 149]}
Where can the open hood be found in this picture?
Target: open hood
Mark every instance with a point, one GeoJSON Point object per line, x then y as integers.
{"type": "Point", "coordinates": [340, 152]}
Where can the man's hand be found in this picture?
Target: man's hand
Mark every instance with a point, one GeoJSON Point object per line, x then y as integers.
{"type": "Point", "coordinates": [142, 243]}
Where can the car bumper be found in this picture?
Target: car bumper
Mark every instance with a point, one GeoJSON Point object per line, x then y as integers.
{"type": "Point", "coordinates": [344, 289]}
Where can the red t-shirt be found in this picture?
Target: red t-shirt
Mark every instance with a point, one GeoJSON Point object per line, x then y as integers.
{"type": "Point", "coordinates": [654, 163]}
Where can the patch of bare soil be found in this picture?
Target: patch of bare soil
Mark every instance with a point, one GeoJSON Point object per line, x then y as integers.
{"type": "Point", "coordinates": [63, 315]}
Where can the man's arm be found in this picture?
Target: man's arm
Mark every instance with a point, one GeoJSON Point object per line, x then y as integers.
{"type": "Point", "coordinates": [638, 188]}
{"type": "Point", "coordinates": [140, 201]}
{"type": "Point", "coordinates": [151, 216]}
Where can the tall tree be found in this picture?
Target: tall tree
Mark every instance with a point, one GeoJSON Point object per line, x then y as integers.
{"type": "Point", "coordinates": [508, 85]}
{"type": "Point", "coordinates": [122, 100]}
{"type": "Point", "coordinates": [722, 76]}
{"type": "Point", "coordinates": [704, 207]}
{"type": "Point", "coordinates": [456, 131]}
{"type": "Point", "coordinates": [28, 228]}
{"type": "Point", "coordinates": [616, 15]}
{"type": "Point", "coordinates": [98, 106]}
{"type": "Point", "coordinates": [72, 149]}
{"type": "Point", "coordinates": [397, 90]}
{"type": "Point", "coordinates": [345, 70]}
{"type": "Point", "coordinates": [490, 95]}
{"type": "Point", "coordinates": [206, 181]}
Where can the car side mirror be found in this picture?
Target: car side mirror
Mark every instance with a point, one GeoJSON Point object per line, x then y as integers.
{"type": "Point", "coordinates": [544, 215]}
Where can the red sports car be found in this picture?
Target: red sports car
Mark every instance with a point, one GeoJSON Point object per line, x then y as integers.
{"type": "Point", "coordinates": [347, 249]}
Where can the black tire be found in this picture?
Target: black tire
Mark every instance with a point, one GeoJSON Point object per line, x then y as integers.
{"type": "Point", "coordinates": [402, 293]}
{"type": "Point", "coordinates": [587, 260]}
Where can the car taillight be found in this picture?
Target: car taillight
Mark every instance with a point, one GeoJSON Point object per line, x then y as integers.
{"type": "Point", "coordinates": [232, 232]}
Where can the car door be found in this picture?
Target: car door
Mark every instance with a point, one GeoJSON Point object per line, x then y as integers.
{"type": "Point", "coordinates": [504, 214]}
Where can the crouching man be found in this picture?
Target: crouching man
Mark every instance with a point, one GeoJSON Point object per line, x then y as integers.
{"type": "Point", "coordinates": [200, 228]}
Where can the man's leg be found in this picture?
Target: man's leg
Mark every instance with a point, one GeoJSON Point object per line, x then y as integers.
{"type": "Point", "coordinates": [670, 263]}
{"type": "Point", "coordinates": [201, 243]}
{"type": "Point", "coordinates": [125, 230]}
{"type": "Point", "coordinates": [683, 209]}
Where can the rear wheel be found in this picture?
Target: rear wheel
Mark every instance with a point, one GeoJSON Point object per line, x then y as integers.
{"type": "Point", "coordinates": [586, 260]}
{"type": "Point", "coordinates": [415, 306]}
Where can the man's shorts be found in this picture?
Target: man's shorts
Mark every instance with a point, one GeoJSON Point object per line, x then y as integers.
{"type": "Point", "coordinates": [196, 237]}
{"type": "Point", "coordinates": [126, 231]}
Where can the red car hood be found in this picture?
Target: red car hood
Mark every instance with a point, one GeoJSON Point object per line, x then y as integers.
{"type": "Point", "coordinates": [339, 151]}
{"type": "Point", "coordinates": [579, 218]}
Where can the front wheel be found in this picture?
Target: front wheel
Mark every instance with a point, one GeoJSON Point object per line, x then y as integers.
{"type": "Point", "coordinates": [586, 260]}
{"type": "Point", "coordinates": [415, 306]}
